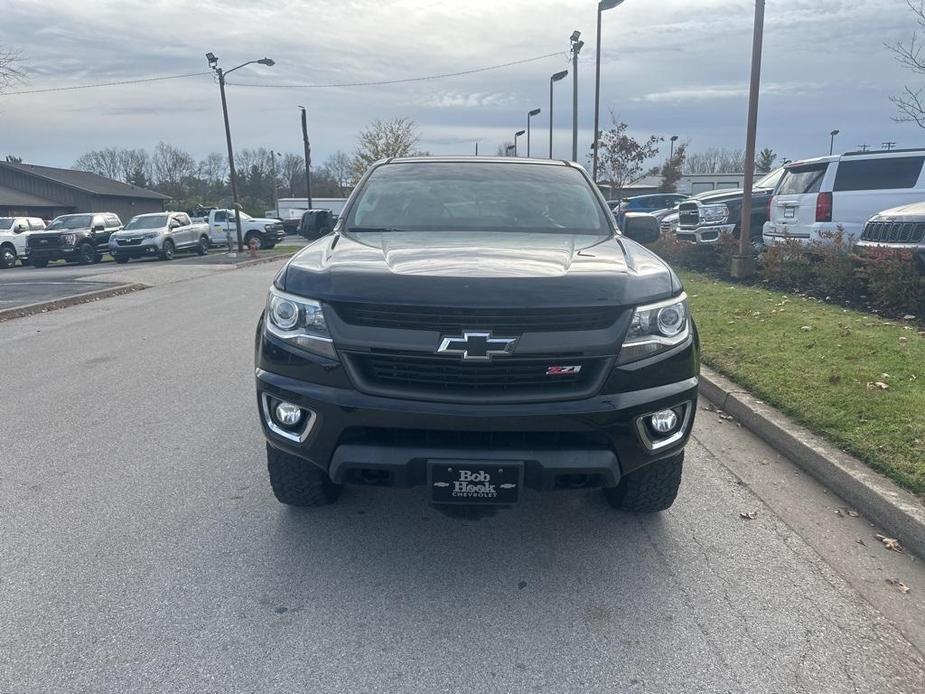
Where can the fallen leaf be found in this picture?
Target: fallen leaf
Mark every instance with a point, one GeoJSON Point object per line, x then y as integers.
{"type": "Point", "coordinates": [890, 543]}
{"type": "Point", "coordinates": [908, 316]}
{"type": "Point", "coordinates": [861, 542]}
{"type": "Point", "coordinates": [877, 384]}
{"type": "Point", "coordinates": [806, 327]}
{"type": "Point", "coordinates": [904, 339]}
{"type": "Point", "coordinates": [748, 515]}
{"type": "Point", "coordinates": [883, 377]}
{"type": "Point", "coordinates": [900, 586]}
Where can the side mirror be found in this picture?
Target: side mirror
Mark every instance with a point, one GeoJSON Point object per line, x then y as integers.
{"type": "Point", "coordinates": [642, 228]}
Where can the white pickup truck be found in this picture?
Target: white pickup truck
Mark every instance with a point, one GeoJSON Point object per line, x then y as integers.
{"type": "Point", "coordinates": [13, 234]}
{"type": "Point", "coordinates": [264, 233]}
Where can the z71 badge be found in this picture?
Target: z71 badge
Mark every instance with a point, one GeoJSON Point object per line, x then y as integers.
{"type": "Point", "coordinates": [563, 370]}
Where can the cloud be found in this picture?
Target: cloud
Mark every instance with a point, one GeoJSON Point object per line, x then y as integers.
{"type": "Point", "coordinates": [453, 99]}
{"type": "Point", "coordinates": [728, 91]}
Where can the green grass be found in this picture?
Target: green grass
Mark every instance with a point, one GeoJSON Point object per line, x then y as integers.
{"type": "Point", "coordinates": [820, 364]}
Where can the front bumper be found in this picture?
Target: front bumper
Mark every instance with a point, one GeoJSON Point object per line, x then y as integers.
{"type": "Point", "coordinates": [356, 437]}
{"type": "Point", "coordinates": [148, 249]}
{"type": "Point", "coordinates": [49, 254]}
{"type": "Point", "coordinates": [705, 234]}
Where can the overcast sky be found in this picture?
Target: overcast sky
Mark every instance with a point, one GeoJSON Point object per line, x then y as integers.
{"type": "Point", "coordinates": [669, 67]}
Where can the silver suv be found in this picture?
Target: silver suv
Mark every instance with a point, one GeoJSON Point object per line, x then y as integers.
{"type": "Point", "coordinates": [159, 235]}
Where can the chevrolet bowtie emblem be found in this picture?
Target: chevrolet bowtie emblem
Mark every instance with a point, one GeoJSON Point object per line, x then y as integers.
{"type": "Point", "coordinates": [477, 346]}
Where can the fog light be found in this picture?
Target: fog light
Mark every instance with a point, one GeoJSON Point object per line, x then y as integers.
{"type": "Point", "coordinates": [663, 422]}
{"type": "Point", "coordinates": [288, 414]}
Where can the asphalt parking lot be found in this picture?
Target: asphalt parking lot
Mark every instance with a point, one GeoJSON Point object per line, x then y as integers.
{"type": "Point", "coordinates": [142, 549]}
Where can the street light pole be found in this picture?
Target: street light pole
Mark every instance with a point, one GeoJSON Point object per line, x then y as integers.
{"type": "Point", "coordinates": [577, 45]}
{"type": "Point", "coordinates": [552, 80]}
{"type": "Point", "coordinates": [308, 158]}
{"type": "Point", "coordinates": [273, 156]}
{"type": "Point", "coordinates": [674, 138]}
{"type": "Point", "coordinates": [530, 114]}
{"type": "Point", "coordinates": [742, 263]}
{"type": "Point", "coordinates": [832, 141]}
{"type": "Point", "coordinates": [222, 74]}
{"type": "Point", "coordinates": [601, 6]}
{"type": "Point", "coordinates": [516, 135]}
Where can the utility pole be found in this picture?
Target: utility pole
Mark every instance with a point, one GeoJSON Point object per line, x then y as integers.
{"type": "Point", "coordinates": [476, 148]}
{"type": "Point", "coordinates": [213, 63]}
{"type": "Point", "coordinates": [863, 148]}
{"type": "Point", "coordinates": [742, 263]}
{"type": "Point", "coordinates": [273, 156]}
{"type": "Point", "coordinates": [889, 146]}
{"type": "Point", "coordinates": [576, 49]}
{"type": "Point", "coordinates": [308, 158]}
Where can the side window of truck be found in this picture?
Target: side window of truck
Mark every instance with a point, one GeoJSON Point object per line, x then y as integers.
{"type": "Point", "coordinates": [220, 216]}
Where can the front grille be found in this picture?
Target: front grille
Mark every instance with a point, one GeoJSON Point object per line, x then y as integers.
{"type": "Point", "coordinates": [894, 232]}
{"type": "Point", "coordinates": [689, 214]}
{"type": "Point", "coordinates": [43, 241]}
{"type": "Point", "coordinates": [428, 376]}
{"type": "Point", "coordinates": [499, 320]}
{"type": "Point", "coordinates": [128, 242]}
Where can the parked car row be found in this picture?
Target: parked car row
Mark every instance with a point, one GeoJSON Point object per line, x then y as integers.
{"type": "Point", "coordinates": [85, 238]}
{"type": "Point", "coordinates": [863, 198]}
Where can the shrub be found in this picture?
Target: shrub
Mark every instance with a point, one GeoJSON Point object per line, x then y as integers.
{"type": "Point", "coordinates": [893, 280]}
{"type": "Point", "coordinates": [787, 265]}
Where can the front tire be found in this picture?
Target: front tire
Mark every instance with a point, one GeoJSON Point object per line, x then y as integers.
{"type": "Point", "coordinates": [7, 257]}
{"type": "Point", "coordinates": [168, 250]}
{"type": "Point", "coordinates": [86, 254]}
{"type": "Point", "coordinates": [203, 248]}
{"type": "Point", "coordinates": [650, 489]}
{"type": "Point", "coordinates": [297, 482]}
{"type": "Point", "coordinates": [121, 259]}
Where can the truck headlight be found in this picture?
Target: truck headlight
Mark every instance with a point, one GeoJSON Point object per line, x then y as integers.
{"type": "Point", "coordinates": [714, 214]}
{"type": "Point", "coordinates": [68, 239]}
{"type": "Point", "coordinates": [656, 328]}
{"type": "Point", "coordinates": [299, 322]}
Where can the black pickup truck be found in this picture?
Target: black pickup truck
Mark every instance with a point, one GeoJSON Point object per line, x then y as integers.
{"type": "Point", "coordinates": [478, 326]}
{"type": "Point", "coordinates": [77, 238]}
{"type": "Point", "coordinates": [707, 216]}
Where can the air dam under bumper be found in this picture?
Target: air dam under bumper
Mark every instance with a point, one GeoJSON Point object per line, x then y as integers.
{"type": "Point", "coordinates": [360, 438]}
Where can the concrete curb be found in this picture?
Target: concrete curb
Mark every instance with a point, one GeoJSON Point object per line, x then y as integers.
{"type": "Point", "coordinates": [898, 512]}
{"type": "Point", "coordinates": [261, 261]}
{"type": "Point", "coordinates": [72, 300]}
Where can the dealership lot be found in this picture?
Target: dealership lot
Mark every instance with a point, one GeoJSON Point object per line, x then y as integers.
{"type": "Point", "coordinates": [142, 549]}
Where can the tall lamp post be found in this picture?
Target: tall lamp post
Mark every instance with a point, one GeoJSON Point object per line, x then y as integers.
{"type": "Point", "coordinates": [558, 77]}
{"type": "Point", "coordinates": [601, 7]}
{"type": "Point", "coordinates": [516, 135]}
{"type": "Point", "coordinates": [674, 138]}
{"type": "Point", "coordinates": [530, 114]}
{"type": "Point", "coordinates": [742, 263]}
{"type": "Point", "coordinates": [308, 158]}
{"type": "Point", "coordinates": [832, 141]}
{"type": "Point", "coordinates": [222, 74]}
{"type": "Point", "coordinates": [577, 45]}
{"type": "Point", "coordinates": [508, 149]}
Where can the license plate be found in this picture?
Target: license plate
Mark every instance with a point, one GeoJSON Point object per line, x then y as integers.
{"type": "Point", "coordinates": [789, 212]}
{"type": "Point", "coordinates": [468, 482]}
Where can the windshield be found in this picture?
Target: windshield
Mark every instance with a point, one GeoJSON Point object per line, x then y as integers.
{"type": "Point", "coordinates": [450, 196]}
{"type": "Point", "coordinates": [770, 181]}
{"type": "Point", "coordinates": [158, 221]}
{"type": "Point", "coordinates": [74, 221]}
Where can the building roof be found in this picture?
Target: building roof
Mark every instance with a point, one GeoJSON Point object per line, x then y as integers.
{"type": "Point", "coordinates": [10, 197]}
{"type": "Point", "coordinates": [88, 182]}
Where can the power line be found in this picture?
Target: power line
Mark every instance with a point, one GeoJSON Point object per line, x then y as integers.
{"type": "Point", "coordinates": [104, 84]}
{"type": "Point", "coordinates": [398, 81]}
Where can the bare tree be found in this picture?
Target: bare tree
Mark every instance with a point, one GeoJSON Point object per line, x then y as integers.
{"type": "Point", "coordinates": [380, 139]}
{"type": "Point", "coordinates": [10, 72]}
{"type": "Point", "coordinates": [104, 162]}
{"type": "Point", "coordinates": [171, 167]}
{"type": "Point", "coordinates": [715, 160]}
{"type": "Point", "coordinates": [340, 167]}
{"type": "Point", "coordinates": [214, 168]}
{"type": "Point", "coordinates": [292, 171]}
{"type": "Point", "coordinates": [910, 104]}
{"type": "Point", "coordinates": [621, 157]}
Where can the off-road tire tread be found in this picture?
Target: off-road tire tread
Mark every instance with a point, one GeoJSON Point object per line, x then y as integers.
{"type": "Point", "coordinates": [650, 489]}
{"type": "Point", "coordinates": [297, 482]}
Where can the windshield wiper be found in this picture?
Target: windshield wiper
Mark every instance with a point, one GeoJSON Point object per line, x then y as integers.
{"type": "Point", "coordinates": [374, 229]}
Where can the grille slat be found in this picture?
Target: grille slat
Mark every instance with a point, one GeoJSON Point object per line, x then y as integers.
{"type": "Point", "coordinates": [449, 376]}
{"type": "Point", "coordinates": [451, 319]}
{"type": "Point", "coordinates": [894, 232]}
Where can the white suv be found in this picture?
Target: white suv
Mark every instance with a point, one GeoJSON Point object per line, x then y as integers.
{"type": "Point", "coordinates": [818, 199]}
{"type": "Point", "coordinates": [13, 234]}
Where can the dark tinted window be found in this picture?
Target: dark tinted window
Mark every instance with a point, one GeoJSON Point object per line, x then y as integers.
{"type": "Point", "coordinates": [452, 196]}
{"type": "Point", "coordinates": [219, 216]}
{"type": "Point", "coordinates": [878, 174]}
{"type": "Point", "coordinates": [802, 179]}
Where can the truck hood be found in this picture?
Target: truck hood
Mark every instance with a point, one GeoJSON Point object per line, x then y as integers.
{"type": "Point", "coordinates": [260, 220]}
{"type": "Point", "coordinates": [475, 269]}
{"type": "Point", "coordinates": [727, 195]}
